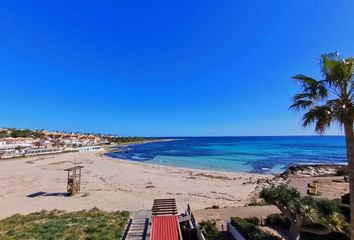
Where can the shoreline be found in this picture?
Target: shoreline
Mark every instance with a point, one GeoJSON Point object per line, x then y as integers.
{"type": "Point", "coordinates": [146, 163]}
{"type": "Point", "coordinates": [155, 165]}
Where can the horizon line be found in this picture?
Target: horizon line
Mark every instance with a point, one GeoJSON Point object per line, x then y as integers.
{"type": "Point", "coordinates": [198, 136]}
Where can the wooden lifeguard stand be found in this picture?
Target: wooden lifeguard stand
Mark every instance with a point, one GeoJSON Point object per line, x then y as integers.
{"type": "Point", "coordinates": [74, 180]}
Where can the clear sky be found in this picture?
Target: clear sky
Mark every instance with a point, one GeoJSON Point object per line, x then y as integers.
{"type": "Point", "coordinates": [164, 68]}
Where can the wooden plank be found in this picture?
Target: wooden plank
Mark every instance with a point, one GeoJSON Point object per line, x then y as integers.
{"type": "Point", "coordinates": [164, 204]}
{"type": "Point", "coordinates": [164, 207]}
{"type": "Point", "coordinates": [164, 199]}
{"type": "Point", "coordinates": [171, 202]}
{"type": "Point", "coordinates": [165, 211]}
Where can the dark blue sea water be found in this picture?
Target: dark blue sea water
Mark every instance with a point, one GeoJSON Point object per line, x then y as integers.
{"type": "Point", "coordinates": [240, 154]}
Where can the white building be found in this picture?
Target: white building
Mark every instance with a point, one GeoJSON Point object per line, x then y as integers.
{"type": "Point", "coordinates": [38, 151]}
{"type": "Point", "coordinates": [89, 149]}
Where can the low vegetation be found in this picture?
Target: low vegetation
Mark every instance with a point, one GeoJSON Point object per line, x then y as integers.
{"type": "Point", "coordinates": [20, 133]}
{"type": "Point", "coordinates": [122, 140]}
{"type": "Point", "coordinates": [251, 231]}
{"type": "Point", "coordinates": [310, 215]}
{"type": "Point", "coordinates": [47, 225]}
{"type": "Point", "coordinates": [27, 133]}
{"type": "Point", "coordinates": [278, 220]}
{"type": "Point", "coordinates": [209, 229]}
{"type": "Point", "coordinates": [253, 220]}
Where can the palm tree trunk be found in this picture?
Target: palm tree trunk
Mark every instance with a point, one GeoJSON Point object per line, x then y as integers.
{"type": "Point", "coordinates": [349, 138]}
{"type": "Point", "coordinates": [295, 229]}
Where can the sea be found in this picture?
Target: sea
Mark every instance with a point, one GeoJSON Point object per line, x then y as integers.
{"type": "Point", "coordinates": [267, 155]}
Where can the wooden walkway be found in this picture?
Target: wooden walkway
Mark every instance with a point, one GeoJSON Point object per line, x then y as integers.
{"type": "Point", "coordinates": [164, 207]}
{"type": "Point", "coordinates": [137, 229]}
{"type": "Point", "coordinates": [222, 215]}
{"type": "Point", "coordinates": [139, 226]}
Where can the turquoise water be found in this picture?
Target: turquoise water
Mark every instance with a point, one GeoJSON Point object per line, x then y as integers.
{"type": "Point", "coordinates": [240, 154]}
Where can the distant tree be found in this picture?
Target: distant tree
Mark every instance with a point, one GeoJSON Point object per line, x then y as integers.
{"type": "Point", "coordinates": [4, 133]}
{"type": "Point", "coordinates": [331, 100]}
{"type": "Point", "coordinates": [306, 214]}
{"type": "Point", "coordinates": [37, 144]}
{"type": "Point", "coordinates": [26, 133]}
{"type": "Point", "coordinates": [38, 134]}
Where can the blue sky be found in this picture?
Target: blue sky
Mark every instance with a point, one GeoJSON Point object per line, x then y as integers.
{"type": "Point", "coordinates": [164, 68]}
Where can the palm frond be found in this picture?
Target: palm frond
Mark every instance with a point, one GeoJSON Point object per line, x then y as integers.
{"type": "Point", "coordinates": [349, 68]}
{"type": "Point", "coordinates": [311, 88]}
{"type": "Point", "coordinates": [326, 207]}
{"type": "Point", "coordinates": [301, 104]}
{"type": "Point", "coordinates": [304, 80]}
{"type": "Point", "coordinates": [329, 65]}
{"type": "Point", "coordinates": [320, 116]}
{"type": "Point", "coordinates": [338, 223]}
{"type": "Point", "coordinates": [338, 73]}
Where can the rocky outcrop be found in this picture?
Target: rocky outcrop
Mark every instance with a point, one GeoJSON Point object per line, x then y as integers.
{"type": "Point", "coordinates": [314, 171]}
{"type": "Point", "coordinates": [262, 184]}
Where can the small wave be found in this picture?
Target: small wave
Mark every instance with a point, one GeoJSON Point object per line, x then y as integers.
{"type": "Point", "coordinates": [139, 158]}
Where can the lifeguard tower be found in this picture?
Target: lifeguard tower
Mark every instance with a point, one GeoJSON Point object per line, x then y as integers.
{"type": "Point", "coordinates": [74, 180]}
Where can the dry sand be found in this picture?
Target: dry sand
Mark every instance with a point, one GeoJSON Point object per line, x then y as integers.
{"type": "Point", "coordinates": [329, 187]}
{"type": "Point", "coordinates": [112, 185]}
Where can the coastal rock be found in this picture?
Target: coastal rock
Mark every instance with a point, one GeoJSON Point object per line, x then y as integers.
{"type": "Point", "coordinates": [314, 171]}
{"type": "Point", "coordinates": [266, 183]}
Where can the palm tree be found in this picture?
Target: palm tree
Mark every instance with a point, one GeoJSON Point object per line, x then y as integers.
{"type": "Point", "coordinates": [331, 100]}
{"type": "Point", "coordinates": [306, 214]}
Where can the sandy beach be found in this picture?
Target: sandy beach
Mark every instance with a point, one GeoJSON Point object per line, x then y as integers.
{"type": "Point", "coordinates": [111, 184]}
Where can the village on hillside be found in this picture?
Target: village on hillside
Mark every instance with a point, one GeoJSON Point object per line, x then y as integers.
{"type": "Point", "coordinates": [16, 142]}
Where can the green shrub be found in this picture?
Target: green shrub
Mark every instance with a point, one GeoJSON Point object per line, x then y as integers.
{"type": "Point", "coordinates": [277, 220]}
{"type": "Point", "coordinates": [209, 229]}
{"type": "Point", "coordinates": [251, 231]}
{"type": "Point", "coordinates": [44, 225]}
{"type": "Point", "coordinates": [253, 220]}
